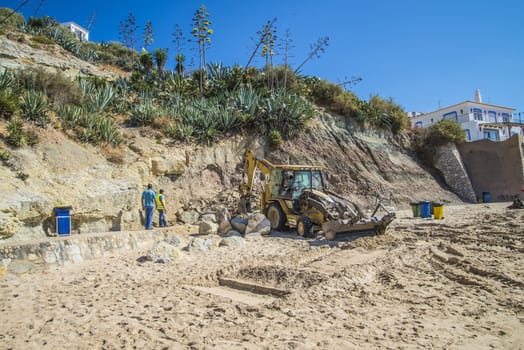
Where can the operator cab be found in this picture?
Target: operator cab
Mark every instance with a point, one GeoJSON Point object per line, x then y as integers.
{"type": "Point", "coordinates": [294, 182]}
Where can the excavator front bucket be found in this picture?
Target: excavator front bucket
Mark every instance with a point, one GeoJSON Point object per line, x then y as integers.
{"type": "Point", "coordinates": [373, 224]}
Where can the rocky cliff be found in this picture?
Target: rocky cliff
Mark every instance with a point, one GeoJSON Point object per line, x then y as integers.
{"type": "Point", "coordinates": [104, 185]}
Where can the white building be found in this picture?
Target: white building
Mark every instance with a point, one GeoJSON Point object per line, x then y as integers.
{"type": "Point", "coordinates": [80, 32]}
{"type": "Point", "coordinates": [479, 120]}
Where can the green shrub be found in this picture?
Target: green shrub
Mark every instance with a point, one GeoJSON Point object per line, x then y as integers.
{"type": "Point", "coordinates": [5, 156]}
{"type": "Point", "coordinates": [13, 21]}
{"type": "Point", "coordinates": [445, 131]}
{"type": "Point", "coordinates": [347, 104]}
{"type": "Point", "coordinates": [58, 88]}
{"type": "Point", "coordinates": [322, 92]}
{"type": "Point", "coordinates": [33, 107]}
{"type": "Point", "coordinates": [274, 139]}
{"type": "Point", "coordinates": [42, 39]}
{"type": "Point", "coordinates": [18, 136]}
{"type": "Point", "coordinates": [441, 133]}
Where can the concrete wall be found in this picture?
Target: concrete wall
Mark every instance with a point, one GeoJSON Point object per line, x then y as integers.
{"type": "Point", "coordinates": [495, 167]}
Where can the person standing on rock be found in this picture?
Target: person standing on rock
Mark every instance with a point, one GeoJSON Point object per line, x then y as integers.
{"type": "Point", "coordinates": [161, 207]}
{"type": "Point", "coordinates": [148, 205]}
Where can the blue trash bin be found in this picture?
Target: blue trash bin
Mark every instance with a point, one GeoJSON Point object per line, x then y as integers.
{"type": "Point", "coordinates": [63, 220]}
{"type": "Point", "coordinates": [425, 209]}
{"type": "Point", "coordinates": [485, 197]}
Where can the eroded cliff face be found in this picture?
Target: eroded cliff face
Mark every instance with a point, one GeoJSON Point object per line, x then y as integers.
{"type": "Point", "coordinates": [104, 186]}
{"type": "Point", "coordinates": [364, 163]}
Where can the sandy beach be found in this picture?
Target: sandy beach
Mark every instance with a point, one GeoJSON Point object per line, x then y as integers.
{"type": "Point", "coordinates": [456, 283]}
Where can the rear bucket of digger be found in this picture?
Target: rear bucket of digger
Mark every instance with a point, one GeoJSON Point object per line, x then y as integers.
{"type": "Point", "coordinates": [373, 224]}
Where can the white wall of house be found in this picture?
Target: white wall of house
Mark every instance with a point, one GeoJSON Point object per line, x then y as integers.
{"type": "Point", "coordinates": [80, 32]}
{"type": "Point", "coordinates": [471, 115]}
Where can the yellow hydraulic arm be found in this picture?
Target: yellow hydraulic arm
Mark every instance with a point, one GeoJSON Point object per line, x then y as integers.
{"type": "Point", "coordinates": [250, 165]}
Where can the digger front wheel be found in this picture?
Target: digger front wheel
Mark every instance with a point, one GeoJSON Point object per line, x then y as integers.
{"type": "Point", "coordinates": [304, 226]}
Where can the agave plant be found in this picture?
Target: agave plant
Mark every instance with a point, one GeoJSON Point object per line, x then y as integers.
{"type": "Point", "coordinates": [17, 136]}
{"type": "Point", "coordinates": [285, 112]}
{"type": "Point", "coordinates": [108, 131]}
{"type": "Point", "coordinates": [184, 131]}
{"type": "Point", "coordinates": [122, 86]}
{"type": "Point", "coordinates": [246, 100]}
{"type": "Point", "coordinates": [87, 54]}
{"type": "Point", "coordinates": [34, 107]}
{"type": "Point", "coordinates": [101, 98]}
{"type": "Point", "coordinates": [143, 113]}
{"type": "Point", "coordinates": [7, 79]}
{"type": "Point", "coordinates": [70, 115]}
{"type": "Point", "coordinates": [227, 120]}
{"type": "Point", "coordinates": [87, 87]}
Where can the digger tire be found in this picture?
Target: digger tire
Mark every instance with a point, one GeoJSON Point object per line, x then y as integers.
{"type": "Point", "coordinates": [304, 227]}
{"type": "Point", "coordinates": [276, 216]}
{"type": "Point", "coordinates": [330, 235]}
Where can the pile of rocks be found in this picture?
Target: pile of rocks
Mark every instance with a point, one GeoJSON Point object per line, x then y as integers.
{"type": "Point", "coordinates": [219, 231]}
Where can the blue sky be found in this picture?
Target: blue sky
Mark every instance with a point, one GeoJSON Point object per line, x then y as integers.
{"type": "Point", "coordinates": [422, 53]}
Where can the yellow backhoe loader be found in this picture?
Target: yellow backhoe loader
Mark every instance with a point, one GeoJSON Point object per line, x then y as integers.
{"type": "Point", "coordinates": [295, 196]}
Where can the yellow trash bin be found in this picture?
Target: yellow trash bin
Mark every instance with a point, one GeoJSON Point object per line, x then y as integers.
{"type": "Point", "coordinates": [438, 211]}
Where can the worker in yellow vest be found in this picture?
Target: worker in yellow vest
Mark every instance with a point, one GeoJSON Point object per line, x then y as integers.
{"type": "Point", "coordinates": [161, 207]}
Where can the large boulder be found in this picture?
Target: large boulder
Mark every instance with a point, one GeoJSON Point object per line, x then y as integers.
{"type": "Point", "coordinates": [239, 224]}
{"type": "Point", "coordinates": [224, 227]}
{"type": "Point", "coordinates": [209, 217]}
{"type": "Point", "coordinates": [189, 217]}
{"type": "Point", "coordinates": [258, 223]}
{"type": "Point", "coordinates": [207, 228]}
{"type": "Point", "coordinates": [162, 251]}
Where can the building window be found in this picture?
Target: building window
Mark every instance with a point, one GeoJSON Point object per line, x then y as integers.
{"type": "Point", "coordinates": [451, 115]}
{"type": "Point", "coordinates": [477, 114]}
{"type": "Point", "coordinates": [506, 118]}
{"type": "Point", "coordinates": [492, 116]}
{"type": "Point", "coordinates": [468, 135]}
{"type": "Point", "coordinates": [418, 124]}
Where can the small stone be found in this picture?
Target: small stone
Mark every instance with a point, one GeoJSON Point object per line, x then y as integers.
{"type": "Point", "coordinates": [173, 241]}
{"type": "Point", "coordinates": [199, 244]}
{"type": "Point", "coordinates": [232, 241]}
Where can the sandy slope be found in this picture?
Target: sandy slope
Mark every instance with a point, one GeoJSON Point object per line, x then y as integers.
{"type": "Point", "coordinates": [453, 283]}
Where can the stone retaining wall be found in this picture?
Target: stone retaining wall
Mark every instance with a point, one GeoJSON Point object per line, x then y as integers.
{"type": "Point", "coordinates": [23, 258]}
{"type": "Point", "coordinates": [449, 163]}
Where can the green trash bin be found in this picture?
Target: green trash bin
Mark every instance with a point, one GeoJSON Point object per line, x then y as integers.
{"type": "Point", "coordinates": [416, 209]}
